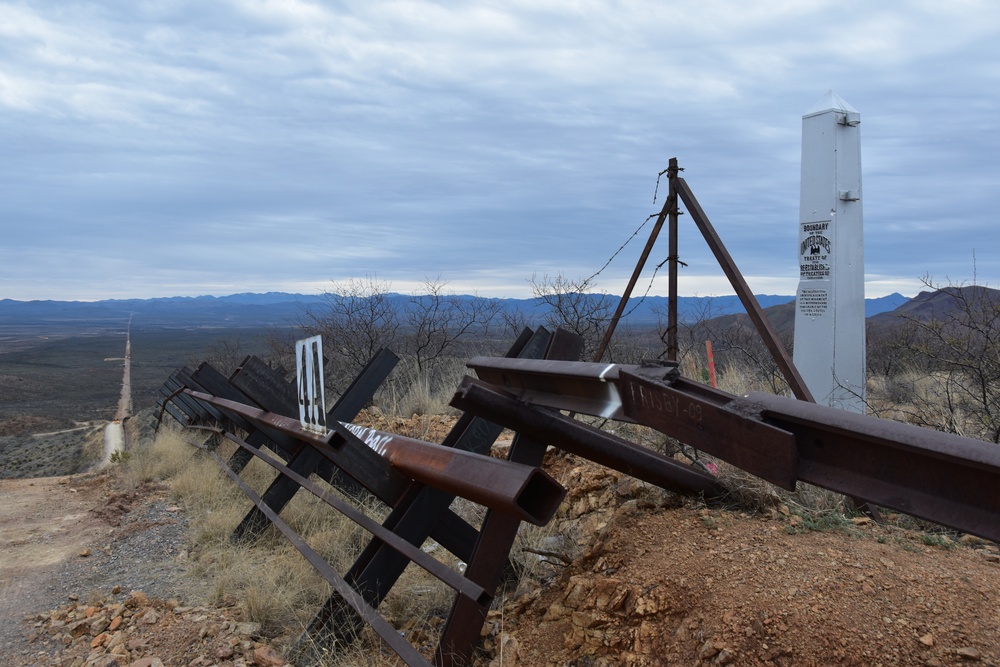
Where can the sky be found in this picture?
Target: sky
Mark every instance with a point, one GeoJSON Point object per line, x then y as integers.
{"type": "Point", "coordinates": [181, 148]}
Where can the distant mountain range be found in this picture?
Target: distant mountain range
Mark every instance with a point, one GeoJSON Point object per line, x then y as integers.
{"type": "Point", "coordinates": [277, 309]}
{"type": "Point", "coordinates": [946, 302]}
{"type": "Point", "coordinates": [944, 305]}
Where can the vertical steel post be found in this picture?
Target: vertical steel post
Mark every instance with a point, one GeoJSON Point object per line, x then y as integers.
{"type": "Point", "coordinates": [674, 259]}
{"type": "Point", "coordinates": [496, 536]}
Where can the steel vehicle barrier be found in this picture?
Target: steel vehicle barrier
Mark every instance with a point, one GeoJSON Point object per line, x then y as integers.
{"type": "Point", "coordinates": [936, 476]}
{"type": "Point", "coordinates": [417, 480]}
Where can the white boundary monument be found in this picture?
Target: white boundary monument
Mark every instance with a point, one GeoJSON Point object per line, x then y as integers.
{"type": "Point", "coordinates": [830, 301]}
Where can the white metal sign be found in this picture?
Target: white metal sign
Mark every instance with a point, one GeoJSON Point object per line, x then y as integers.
{"type": "Point", "coordinates": [312, 394]}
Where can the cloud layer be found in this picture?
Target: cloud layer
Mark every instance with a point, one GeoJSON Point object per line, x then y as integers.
{"type": "Point", "coordinates": [184, 148]}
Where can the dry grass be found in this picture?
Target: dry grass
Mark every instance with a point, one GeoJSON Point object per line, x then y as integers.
{"type": "Point", "coordinates": [270, 580]}
{"type": "Point", "coordinates": [421, 392]}
{"type": "Point", "coordinates": [160, 460]}
{"type": "Point", "coordinates": [537, 556]}
{"type": "Point", "coordinates": [930, 400]}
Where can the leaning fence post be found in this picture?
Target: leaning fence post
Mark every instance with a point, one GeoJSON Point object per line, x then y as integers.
{"type": "Point", "coordinates": [413, 518]}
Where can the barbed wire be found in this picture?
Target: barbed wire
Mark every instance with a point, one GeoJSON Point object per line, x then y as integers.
{"type": "Point", "coordinates": [657, 188]}
{"type": "Point", "coordinates": [629, 240]}
{"type": "Point", "coordinates": [649, 286]}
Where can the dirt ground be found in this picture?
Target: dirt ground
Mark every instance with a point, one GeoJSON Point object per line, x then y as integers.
{"type": "Point", "coordinates": [668, 583]}
{"type": "Point", "coordinates": [45, 520]}
{"type": "Point", "coordinates": [93, 576]}
{"type": "Point", "coordinates": [657, 582]}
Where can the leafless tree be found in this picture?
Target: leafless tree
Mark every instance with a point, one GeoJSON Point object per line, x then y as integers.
{"type": "Point", "coordinates": [361, 316]}
{"type": "Point", "coordinates": [738, 347]}
{"type": "Point", "coordinates": [435, 323]}
{"type": "Point", "coordinates": [356, 320]}
{"type": "Point", "coordinates": [958, 346]}
{"type": "Point", "coordinates": [572, 305]}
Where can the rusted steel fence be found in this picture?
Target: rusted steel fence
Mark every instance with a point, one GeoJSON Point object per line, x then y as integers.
{"type": "Point", "coordinates": [940, 477]}
{"type": "Point", "coordinates": [417, 480]}
{"type": "Point", "coordinates": [536, 390]}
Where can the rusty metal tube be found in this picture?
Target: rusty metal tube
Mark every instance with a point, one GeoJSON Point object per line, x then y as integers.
{"type": "Point", "coordinates": [526, 492]}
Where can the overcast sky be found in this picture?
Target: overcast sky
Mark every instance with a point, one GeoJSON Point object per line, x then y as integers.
{"type": "Point", "coordinates": [180, 147]}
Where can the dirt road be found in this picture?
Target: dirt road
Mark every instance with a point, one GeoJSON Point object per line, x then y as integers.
{"type": "Point", "coordinates": [45, 523]}
{"type": "Point", "coordinates": [114, 432]}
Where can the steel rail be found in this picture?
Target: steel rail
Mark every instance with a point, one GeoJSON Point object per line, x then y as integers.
{"type": "Point", "coordinates": [942, 477]}
{"type": "Point", "coordinates": [945, 478]}
{"type": "Point", "coordinates": [584, 440]}
{"type": "Point", "coordinates": [392, 637]}
{"type": "Point", "coordinates": [577, 386]}
{"type": "Point", "coordinates": [697, 417]}
{"type": "Point", "coordinates": [527, 492]}
{"type": "Point", "coordinates": [412, 552]}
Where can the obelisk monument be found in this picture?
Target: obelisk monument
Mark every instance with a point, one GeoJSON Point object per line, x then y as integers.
{"type": "Point", "coordinates": [829, 347]}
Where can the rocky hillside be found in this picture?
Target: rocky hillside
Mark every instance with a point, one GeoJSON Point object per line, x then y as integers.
{"type": "Point", "coordinates": [665, 582]}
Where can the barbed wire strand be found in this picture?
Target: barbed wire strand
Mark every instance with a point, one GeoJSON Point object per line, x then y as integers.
{"type": "Point", "coordinates": [649, 286]}
{"type": "Point", "coordinates": [639, 301]}
{"type": "Point", "coordinates": [629, 240]}
{"type": "Point", "coordinates": [657, 188]}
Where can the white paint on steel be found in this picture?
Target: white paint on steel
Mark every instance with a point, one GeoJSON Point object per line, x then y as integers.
{"type": "Point", "coordinates": [830, 300]}
{"type": "Point", "coordinates": [613, 407]}
{"type": "Point", "coordinates": [312, 391]}
{"type": "Point", "coordinates": [613, 400]}
{"type": "Point", "coordinates": [374, 439]}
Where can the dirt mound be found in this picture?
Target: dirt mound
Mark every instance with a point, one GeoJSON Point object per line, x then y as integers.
{"type": "Point", "coordinates": [117, 505]}
{"type": "Point", "coordinates": [682, 585]}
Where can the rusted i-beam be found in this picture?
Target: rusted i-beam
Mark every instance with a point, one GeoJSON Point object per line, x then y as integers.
{"type": "Point", "coordinates": [526, 492]}
{"type": "Point", "coordinates": [940, 477]}
{"type": "Point", "coordinates": [584, 440]}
